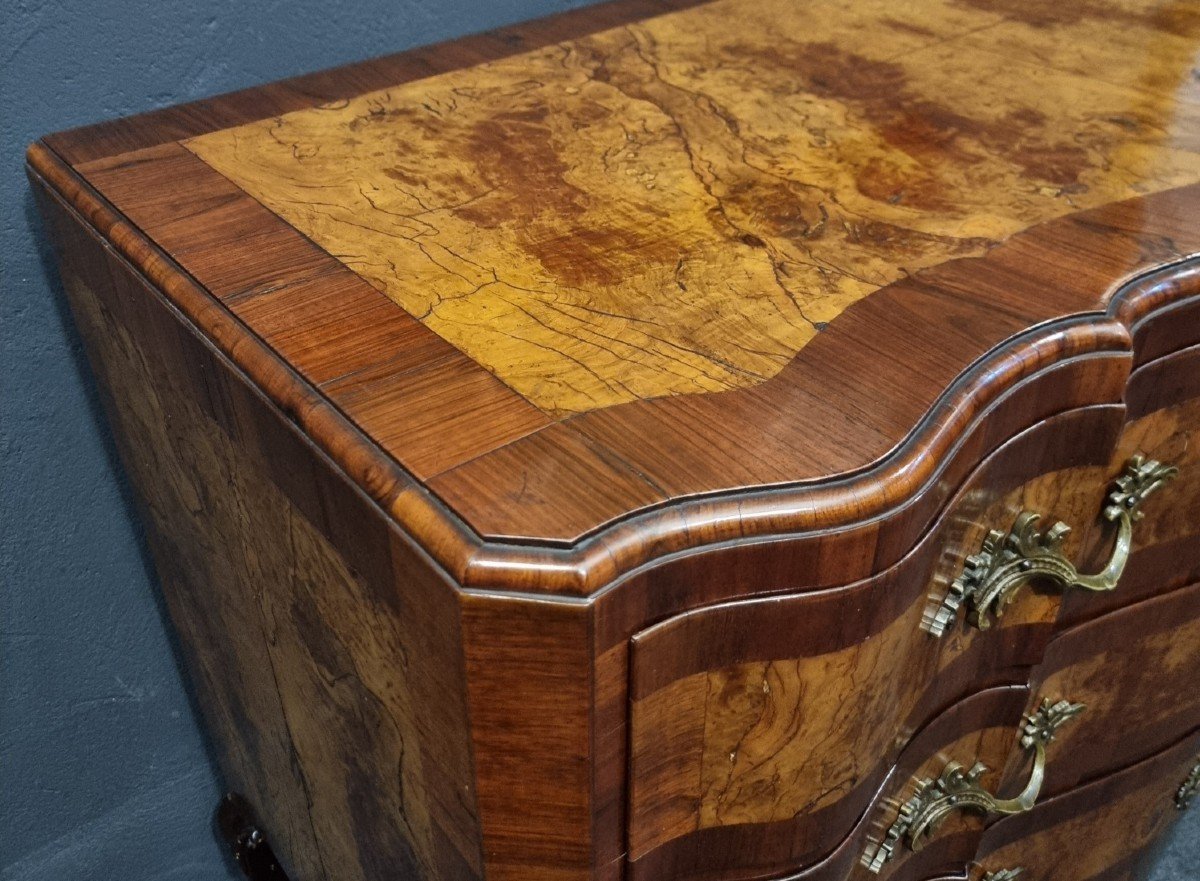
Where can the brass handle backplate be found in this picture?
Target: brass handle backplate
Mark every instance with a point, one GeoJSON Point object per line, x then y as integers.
{"type": "Point", "coordinates": [958, 789]}
{"type": "Point", "coordinates": [1008, 561]}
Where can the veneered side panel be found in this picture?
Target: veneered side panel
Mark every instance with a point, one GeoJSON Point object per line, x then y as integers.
{"type": "Point", "coordinates": [324, 649]}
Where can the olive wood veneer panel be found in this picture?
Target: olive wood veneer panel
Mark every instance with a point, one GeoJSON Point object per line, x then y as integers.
{"type": "Point", "coordinates": [400, 382]}
{"type": "Point", "coordinates": [782, 166]}
{"type": "Point", "coordinates": [984, 726]}
{"type": "Point", "coordinates": [704, 522]}
{"type": "Point", "coordinates": [887, 372]}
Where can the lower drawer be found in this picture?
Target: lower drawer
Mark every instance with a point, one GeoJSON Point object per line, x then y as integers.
{"type": "Point", "coordinates": [1136, 671]}
{"type": "Point", "coordinates": [1126, 686]}
{"type": "Point", "coordinates": [1102, 831]}
{"type": "Point", "coordinates": [1098, 832]}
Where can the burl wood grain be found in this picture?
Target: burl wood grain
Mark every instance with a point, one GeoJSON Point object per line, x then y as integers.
{"type": "Point", "coordinates": [1169, 434]}
{"type": "Point", "coordinates": [983, 725]}
{"type": "Point", "coordinates": [338, 709]}
{"type": "Point", "coordinates": [780, 740]}
{"type": "Point", "coordinates": [895, 382]}
{"type": "Point", "coordinates": [990, 746]}
{"type": "Point", "coordinates": [1164, 419]}
{"type": "Point", "coordinates": [533, 405]}
{"type": "Point", "coordinates": [680, 205]}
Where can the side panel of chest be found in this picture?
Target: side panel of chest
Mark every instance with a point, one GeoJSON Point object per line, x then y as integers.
{"type": "Point", "coordinates": [325, 651]}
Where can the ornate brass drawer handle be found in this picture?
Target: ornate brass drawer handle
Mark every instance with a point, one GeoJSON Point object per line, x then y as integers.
{"type": "Point", "coordinates": [958, 789]}
{"type": "Point", "coordinates": [1188, 789]}
{"type": "Point", "coordinates": [1008, 561]}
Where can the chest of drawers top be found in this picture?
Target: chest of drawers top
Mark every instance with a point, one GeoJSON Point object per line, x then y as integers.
{"type": "Point", "coordinates": [660, 275]}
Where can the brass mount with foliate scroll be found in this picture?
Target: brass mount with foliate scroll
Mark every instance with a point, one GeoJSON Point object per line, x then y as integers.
{"type": "Point", "coordinates": [1008, 561]}
{"type": "Point", "coordinates": [957, 788]}
{"type": "Point", "coordinates": [1004, 874]}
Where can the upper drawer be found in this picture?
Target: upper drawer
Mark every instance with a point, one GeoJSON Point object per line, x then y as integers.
{"type": "Point", "coordinates": [782, 716]}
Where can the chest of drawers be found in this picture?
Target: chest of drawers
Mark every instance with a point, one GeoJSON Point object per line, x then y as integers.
{"type": "Point", "coordinates": [642, 444]}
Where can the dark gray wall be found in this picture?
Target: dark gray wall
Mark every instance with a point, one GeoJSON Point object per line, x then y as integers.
{"type": "Point", "coordinates": [103, 773]}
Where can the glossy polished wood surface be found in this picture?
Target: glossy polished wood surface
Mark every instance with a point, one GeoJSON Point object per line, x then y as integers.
{"type": "Point", "coordinates": [731, 727]}
{"type": "Point", "coordinates": [1099, 832]}
{"type": "Point", "coordinates": [746, 171]}
{"type": "Point", "coordinates": [528, 519]}
{"type": "Point", "coordinates": [963, 204]}
{"type": "Point", "coordinates": [1136, 669]}
{"type": "Point", "coordinates": [323, 651]}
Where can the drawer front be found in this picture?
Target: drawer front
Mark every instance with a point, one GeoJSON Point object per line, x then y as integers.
{"type": "Point", "coordinates": [1078, 543]}
{"type": "Point", "coordinates": [1137, 670]}
{"type": "Point", "coordinates": [784, 713]}
{"type": "Point", "coordinates": [984, 727]}
{"type": "Point", "coordinates": [768, 725]}
{"type": "Point", "coordinates": [1098, 832]}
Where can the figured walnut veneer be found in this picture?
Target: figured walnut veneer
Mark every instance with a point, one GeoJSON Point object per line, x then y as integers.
{"type": "Point", "coordinates": [552, 443]}
{"type": "Point", "coordinates": [994, 220]}
{"type": "Point", "coordinates": [729, 726]}
{"type": "Point", "coordinates": [678, 206]}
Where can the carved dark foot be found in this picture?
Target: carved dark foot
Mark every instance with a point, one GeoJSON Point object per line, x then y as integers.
{"type": "Point", "coordinates": [238, 827]}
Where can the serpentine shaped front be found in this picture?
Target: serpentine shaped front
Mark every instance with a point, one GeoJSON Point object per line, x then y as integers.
{"type": "Point", "coordinates": [1008, 561]}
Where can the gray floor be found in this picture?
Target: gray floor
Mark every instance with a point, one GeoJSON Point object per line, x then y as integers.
{"type": "Point", "coordinates": [1180, 859]}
